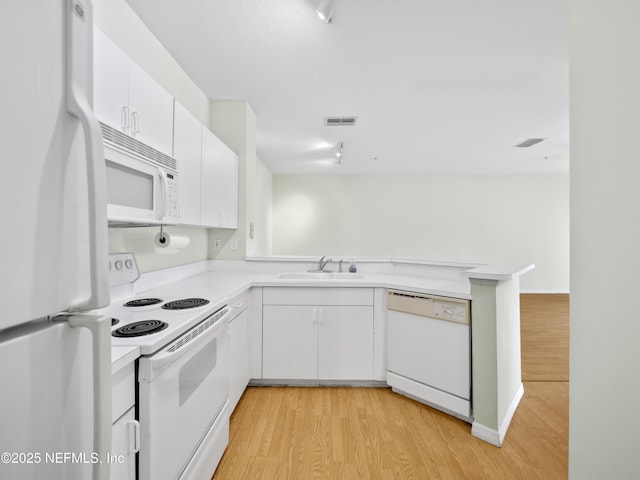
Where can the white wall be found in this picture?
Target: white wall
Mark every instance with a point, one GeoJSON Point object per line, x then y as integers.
{"type": "Point", "coordinates": [149, 257]}
{"type": "Point", "coordinates": [457, 218]}
{"type": "Point", "coordinates": [262, 244]}
{"type": "Point", "coordinates": [605, 240]}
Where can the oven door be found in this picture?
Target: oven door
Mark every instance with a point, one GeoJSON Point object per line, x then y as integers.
{"type": "Point", "coordinates": [182, 390]}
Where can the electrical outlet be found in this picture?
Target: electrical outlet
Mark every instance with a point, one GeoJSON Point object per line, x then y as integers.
{"type": "Point", "coordinates": [234, 244]}
{"type": "Point", "coordinates": [216, 244]}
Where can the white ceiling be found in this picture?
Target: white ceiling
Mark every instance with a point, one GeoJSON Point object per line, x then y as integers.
{"type": "Point", "coordinates": [439, 87]}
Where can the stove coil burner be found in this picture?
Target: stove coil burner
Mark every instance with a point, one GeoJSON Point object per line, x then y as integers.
{"type": "Point", "coordinates": [114, 321]}
{"type": "Point", "coordinates": [137, 329]}
{"type": "Point", "coordinates": [185, 303]}
{"type": "Point", "coordinates": [142, 302]}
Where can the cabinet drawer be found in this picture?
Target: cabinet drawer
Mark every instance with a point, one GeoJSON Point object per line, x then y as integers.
{"type": "Point", "coordinates": [122, 391]}
{"type": "Point", "coordinates": [317, 296]}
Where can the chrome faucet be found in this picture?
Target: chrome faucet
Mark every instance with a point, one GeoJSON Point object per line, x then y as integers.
{"type": "Point", "coordinates": [323, 263]}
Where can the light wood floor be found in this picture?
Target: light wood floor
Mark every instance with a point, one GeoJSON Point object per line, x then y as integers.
{"type": "Point", "coordinates": [371, 433]}
{"type": "Point", "coordinates": [544, 326]}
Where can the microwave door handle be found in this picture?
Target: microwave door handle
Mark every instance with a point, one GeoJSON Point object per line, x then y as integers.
{"type": "Point", "coordinates": [165, 193]}
{"type": "Point", "coordinates": [79, 85]}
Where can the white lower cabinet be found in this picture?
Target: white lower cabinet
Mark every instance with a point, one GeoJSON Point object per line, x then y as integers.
{"type": "Point", "coordinates": [317, 334]}
{"type": "Point", "coordinates": [123, 449]}
{"type": "Point", "coordinates": [125, 430]}
{"type": "Point", "coordinates": [289, 342]}
{"type": "Point", "coordinates": [239, 353]}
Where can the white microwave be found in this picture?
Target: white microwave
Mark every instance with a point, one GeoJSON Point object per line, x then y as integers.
{"type": "Point", "coordinates": [142, 183]}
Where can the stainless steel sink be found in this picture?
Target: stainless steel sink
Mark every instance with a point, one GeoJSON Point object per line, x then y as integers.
{"type": "Point", "coordinates": [321, 276]}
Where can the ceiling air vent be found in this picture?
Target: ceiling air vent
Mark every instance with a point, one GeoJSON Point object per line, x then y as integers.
{"type": "Point", "coordinates": [339, 121]}
{"type": "Point", "coordinates": [529, 142]}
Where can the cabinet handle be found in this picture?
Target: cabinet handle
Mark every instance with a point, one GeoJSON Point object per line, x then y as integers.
{"type": "Point", "coordinates": [315, 316]}
{"type": "Point", "coordinates": [124, 119]}
{"type": "Point", "coordinates": [135, 123]}
{"type": "Point", "coordinates": [321, 316]}
{"type": "Point", "coordinates": [134, 436]}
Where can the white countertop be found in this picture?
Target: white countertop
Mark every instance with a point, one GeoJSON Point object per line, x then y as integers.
{"type": "Point", "coordinates": [499, 271]}
{"type": "Point", "coordinates": [223, 285]}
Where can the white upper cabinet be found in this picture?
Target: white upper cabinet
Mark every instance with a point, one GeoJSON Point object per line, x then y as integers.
{"type": "Point", "coordinates": [110, 81]}
{"type": "Point", "coordinates": [219, 183]}
{"type": "Point", "coordinates": [128, 99]}
{"type": "Point", "coordinates": [208, 172]}
{"type": "Point", "coordinates": [187, 150]}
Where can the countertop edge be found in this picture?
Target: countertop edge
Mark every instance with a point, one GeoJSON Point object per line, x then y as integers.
{"type": "Point", "coordinates": [360, 283]}
{"type": "Point", "coordinates": [503, 271]}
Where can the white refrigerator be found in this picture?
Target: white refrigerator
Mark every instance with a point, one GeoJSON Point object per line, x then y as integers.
{"type": "Point", "coordinates": [55, 362]}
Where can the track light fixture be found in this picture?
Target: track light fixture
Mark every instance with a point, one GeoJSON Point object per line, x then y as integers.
{"type": "Point", "coordinates": [325, 10]}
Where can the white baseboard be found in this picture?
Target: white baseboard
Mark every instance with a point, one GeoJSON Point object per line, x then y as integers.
{"type": "Point", "coordinates": [487, 434]}
{"type": "Point", "coordinates": [491, 435]}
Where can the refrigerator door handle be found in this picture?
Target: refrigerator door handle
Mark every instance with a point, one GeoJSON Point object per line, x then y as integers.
{"type": "Point", "coordinates": [79, 86]}
{"type": "Point", "coordinates": [100, 328]}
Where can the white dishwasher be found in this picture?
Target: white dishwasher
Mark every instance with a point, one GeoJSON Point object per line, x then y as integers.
{"type": "Point", "coordinates": [429, 350]}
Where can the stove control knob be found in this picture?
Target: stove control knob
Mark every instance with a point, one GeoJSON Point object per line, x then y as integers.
{"type": "Point", "coordinates": [119, 264]}
{"type": "Point", "coordinates": [128, 263]}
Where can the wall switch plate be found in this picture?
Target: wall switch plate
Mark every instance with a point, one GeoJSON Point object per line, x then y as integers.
{"type": "Point", "coordinates": [234, 244]}
{"type": "Point", "coordinates": [216, 244]}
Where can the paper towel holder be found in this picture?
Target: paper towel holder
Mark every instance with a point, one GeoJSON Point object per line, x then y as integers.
{"type": "Point", "coordinates": [162, 238]}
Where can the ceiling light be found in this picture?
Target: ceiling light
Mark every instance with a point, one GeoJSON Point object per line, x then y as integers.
{"type": "Point", "coordinates": [325, 10]}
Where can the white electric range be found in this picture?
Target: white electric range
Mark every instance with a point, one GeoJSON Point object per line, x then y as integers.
{"type": "Point", "coordinates": [150, 322]}
{"type": "Point", "coordinates": [182, 375]}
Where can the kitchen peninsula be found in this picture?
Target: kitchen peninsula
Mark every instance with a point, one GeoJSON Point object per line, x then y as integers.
{"type": "Point", "coordinates": [492, 289]}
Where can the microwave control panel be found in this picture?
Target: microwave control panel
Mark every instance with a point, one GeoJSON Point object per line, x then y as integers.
{"type": "Point", "coordinates": [171, 213]}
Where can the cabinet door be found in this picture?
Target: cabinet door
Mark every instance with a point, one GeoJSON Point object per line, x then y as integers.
{"type": "Point", "coordinates": [345, 345]}
{"type": "Point", "coordinates": [151, 110]}
{"type": "Point", "coordinates": [239, 354]}
{"type": "Point", "coordinates": [289, 349]}
{"type": "Point", "coordinates": [123, 447]}
{"type": "Point", "coordinates": [110, 82]}
{"type": "Point", "coordinates": [219, 183]}
{"type": "Point", "coordinates": [187, 150]}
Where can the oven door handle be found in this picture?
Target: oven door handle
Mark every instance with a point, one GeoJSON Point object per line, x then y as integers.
{"type": "Point", "coordinates": [151, 366]}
